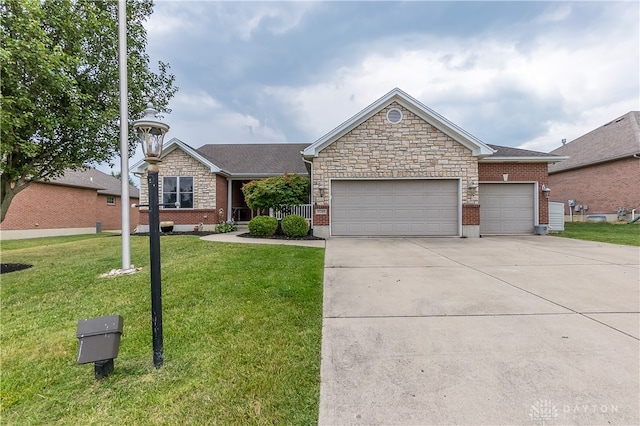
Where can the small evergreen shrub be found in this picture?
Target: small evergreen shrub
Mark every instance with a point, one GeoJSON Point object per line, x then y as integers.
{"type": "Point", "coordinates": [294, 226]}
{"type": "Point", "coordinates": [263, 226]}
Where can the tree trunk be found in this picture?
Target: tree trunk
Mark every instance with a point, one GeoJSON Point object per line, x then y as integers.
{"type": "Point", "coordinates": [8, 190]}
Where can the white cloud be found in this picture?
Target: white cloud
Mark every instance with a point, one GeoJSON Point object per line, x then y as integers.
{"type": "Point", "coordinates": [224, 20]}
{"type": "Point", "coordinates": [198, 119]}
{"type": "Point", "coordinates": [562, 84]}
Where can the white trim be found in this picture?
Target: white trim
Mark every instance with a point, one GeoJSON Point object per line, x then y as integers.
{"type": "Point", "coordinates": [399, 112]}
{"type": "Point", "coordinates": [536, 195]}
{"type": "Point", "coordinates": [522, 159]}
{"type": "Point", "coordinates": [477, 147]}
{"type": "Point", "coordinates": [229, 195]}
{"type": "Point", "coordinates": [172, 145]}
{"type": "Point", "coordinates": [178, 192]}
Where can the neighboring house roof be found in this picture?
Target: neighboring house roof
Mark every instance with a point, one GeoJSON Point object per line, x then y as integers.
{"type": "Point", "coordinates": [506, 154]}
{"type": "Point", "coordinates": [94, 179]}
{"type": "Point", "coordinates": [477, 147]}
{"type": "Point", "coordinates": [619, 138]}
{"type": "Point", "coordinates": [256, 159]}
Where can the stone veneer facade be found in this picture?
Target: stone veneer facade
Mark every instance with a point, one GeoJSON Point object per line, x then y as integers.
{"type": "Point", "coordinates": [206, 189]}
{"type": "Point", "coordinates": [378, 149]}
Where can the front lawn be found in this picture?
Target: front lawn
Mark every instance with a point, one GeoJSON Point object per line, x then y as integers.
{"type": "Point", "coordinates": [242, 331]}
{"type": "Point", "coordinates": [626, 234]}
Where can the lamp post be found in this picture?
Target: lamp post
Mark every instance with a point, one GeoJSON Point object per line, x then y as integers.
{"type": "Point", "coordinates": [151, 132]}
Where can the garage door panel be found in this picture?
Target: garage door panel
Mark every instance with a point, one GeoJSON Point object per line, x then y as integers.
{"type": "Point", "coordinates": [399, 207]}
{"type": "Point", "coordinates": [506, 208]}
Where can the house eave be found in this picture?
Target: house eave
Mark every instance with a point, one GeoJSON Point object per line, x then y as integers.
{"type": "Point", "coordinates": [595, 163]}
{"type": "Point", "coordinates": [172, 145]}
{"type": "Point", "coordinates": [236, 176]}
{"type": "Point", "coordinates": [549, 160]}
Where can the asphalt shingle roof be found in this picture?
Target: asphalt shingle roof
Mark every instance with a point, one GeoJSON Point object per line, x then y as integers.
{"type": "Point", "coordinates": [259, 159]}
{"type": "Point", "coordinates": [94, 179]}
{"type": "Point", "coordinates": [507, 151]}
{"type": "Point", "coordinates": [618, 138]}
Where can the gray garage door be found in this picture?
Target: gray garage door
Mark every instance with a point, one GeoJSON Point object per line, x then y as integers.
{"type": "Point", "coordinates": [506, 208]}
{"type": "Point", "coordinates": [394, 207]}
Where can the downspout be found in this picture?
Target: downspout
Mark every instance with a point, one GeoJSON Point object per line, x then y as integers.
{"type": "Point", "coordinates": [312, 200]}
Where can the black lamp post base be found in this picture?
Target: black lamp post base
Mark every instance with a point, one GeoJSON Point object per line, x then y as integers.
{"type": "Point", "coordinates": [102, 369]}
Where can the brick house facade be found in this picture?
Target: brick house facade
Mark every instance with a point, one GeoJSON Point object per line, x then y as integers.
{"type": "Point", "coordinates": [395, 168]}
{"type": "Point", "coordinates": [602, 187]}
{"type": "Point", "coordinates": [77, 203]}
{"type": "Point", "coordinates": [602, 171]}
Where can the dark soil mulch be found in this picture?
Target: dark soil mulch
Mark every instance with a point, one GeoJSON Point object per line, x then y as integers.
{"type": "Point", "coordinates": [198, 233]}
{"type": "Point", "coordinates": [5, 268]}
{"type": "Point", "coordinates": [281, 237]}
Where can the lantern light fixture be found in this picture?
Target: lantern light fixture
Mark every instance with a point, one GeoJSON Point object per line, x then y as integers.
{"type": "Point", "coordinates": [151, 131]}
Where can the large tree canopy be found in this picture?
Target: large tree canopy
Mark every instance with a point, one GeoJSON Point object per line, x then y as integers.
{"type": "Point", "coordinates": [60, 105]}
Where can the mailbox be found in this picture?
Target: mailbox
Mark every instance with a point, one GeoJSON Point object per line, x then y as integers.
{"type": "Point", "coordinates": [99, 342]}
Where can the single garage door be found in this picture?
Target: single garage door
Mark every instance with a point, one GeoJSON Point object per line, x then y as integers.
{"type": "Point", "coordinates": [394, 207]}
{"type": "Point", "coordinates": [506, 208]}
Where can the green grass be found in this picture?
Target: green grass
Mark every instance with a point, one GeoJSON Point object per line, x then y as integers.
{"type": "Point", "coordinates": [242, 331]}
{"type": "Point", "coordinates": [48, 241]}
{"type": "Point", "coordinates": [603, 232]}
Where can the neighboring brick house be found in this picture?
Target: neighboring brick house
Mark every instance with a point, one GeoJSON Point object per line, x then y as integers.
{"type": "Point", "coordinates": [395, 168]}
{"type": "Point", "coordinates": [79, 202]}
{"type": "Point", "coordinates": [601, 174]}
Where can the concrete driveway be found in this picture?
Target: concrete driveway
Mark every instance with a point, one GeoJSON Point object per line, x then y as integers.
{"type": "Point", "coordinates": [502, 330]}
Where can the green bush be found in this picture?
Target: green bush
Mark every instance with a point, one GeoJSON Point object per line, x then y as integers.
{"type": "Point", "coordinates": [263, 226]}
{"type": "Point", "coordinates": [294, 226]}
{"type": "Point", "coordinates": [225, 227]}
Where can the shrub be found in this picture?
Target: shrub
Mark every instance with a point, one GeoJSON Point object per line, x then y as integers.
{"type": "Point", "coordinates": [277, 192]}
{"type": "Point", "coordinates": [225, 227]}
{"type": "Point", "coordinates": [263, 226]}
{"type": "Point", "coordinates": [294, 226]}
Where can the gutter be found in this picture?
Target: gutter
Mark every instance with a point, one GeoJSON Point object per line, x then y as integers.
{"type": "Point", "coordinates": [522, 159]}
{"type": "Point", "coordinates": [607, 160]}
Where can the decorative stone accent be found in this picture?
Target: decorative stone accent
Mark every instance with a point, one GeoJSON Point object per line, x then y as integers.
{"type": "Point", "coordinates": [378, 149]}
{"type": "Point", "coordinates": [178, 163]}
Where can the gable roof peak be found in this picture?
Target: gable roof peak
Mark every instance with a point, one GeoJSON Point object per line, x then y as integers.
{"type": "Point", "coordinates": [478, 148]}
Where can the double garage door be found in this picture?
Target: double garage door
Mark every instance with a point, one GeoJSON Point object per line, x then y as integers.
{"type": "Point", "coordinates": [507, 208]}
{"type": "Point", "coordinates": [394, 207]}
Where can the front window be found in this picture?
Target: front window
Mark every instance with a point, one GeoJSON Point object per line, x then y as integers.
{"type": "Point", "coordinates": [177, 188]}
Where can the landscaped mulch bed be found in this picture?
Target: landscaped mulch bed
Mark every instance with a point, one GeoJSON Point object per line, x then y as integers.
{"type": "Point", "coordinates": [5, 268]}
{"type": "Point", "coordinates": [198, 233]}
{"type": "Point", "coordinates": [280, 237]}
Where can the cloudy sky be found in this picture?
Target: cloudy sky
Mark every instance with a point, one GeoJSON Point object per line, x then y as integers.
{"type": "Point", "coordinates": [521, 74]}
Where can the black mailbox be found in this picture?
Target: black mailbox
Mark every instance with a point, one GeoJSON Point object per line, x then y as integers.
{"type": "Point", "coordinates": [99, 342]}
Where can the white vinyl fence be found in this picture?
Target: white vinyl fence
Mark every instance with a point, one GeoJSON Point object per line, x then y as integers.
{"type": "Point", "coordinates": [304, 210]}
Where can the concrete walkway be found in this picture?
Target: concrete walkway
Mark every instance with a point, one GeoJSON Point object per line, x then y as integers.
{"type": "Point", "coordinates": [232, 237]}
{"type": "Point", "coordinates": [502, 330]}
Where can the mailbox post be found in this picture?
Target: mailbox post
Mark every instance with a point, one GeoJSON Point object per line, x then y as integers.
{"type": "Point", "coordinates": [99, 342]}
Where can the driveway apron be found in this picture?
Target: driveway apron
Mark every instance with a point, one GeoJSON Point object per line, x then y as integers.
{"type": "Point", "coordinates": [504, 330]}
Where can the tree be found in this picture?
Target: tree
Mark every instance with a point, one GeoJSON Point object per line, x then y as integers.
{"type": "Point", "coordinates": [118, 175]}
{"type": "Point", "coordinates": [60, 86]}
{"type": "Point", "coordinates": [278, 192]}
